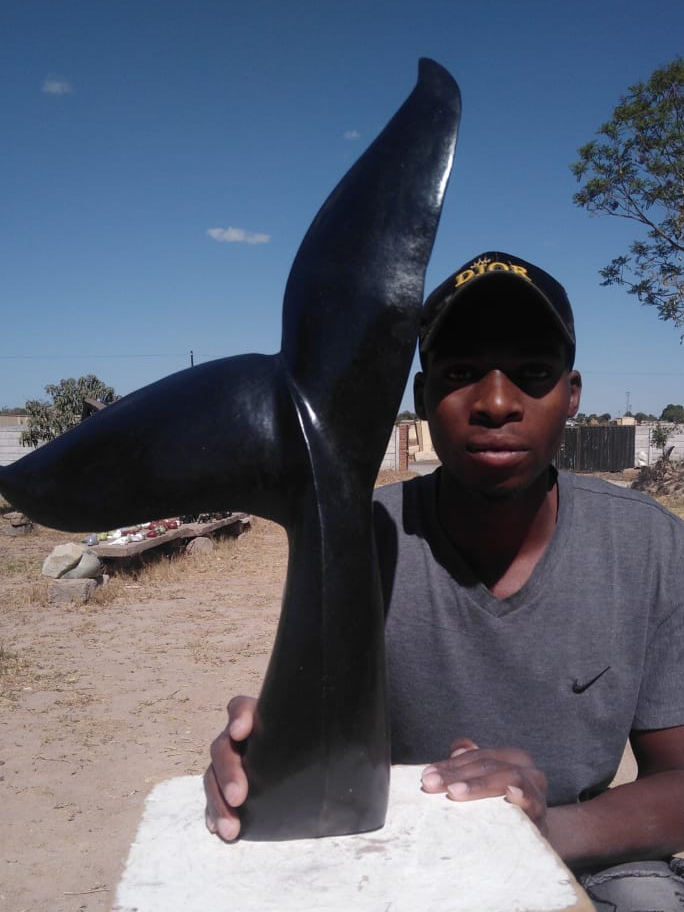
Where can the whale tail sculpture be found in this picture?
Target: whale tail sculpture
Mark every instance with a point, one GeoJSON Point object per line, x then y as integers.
{"type": "Point", "coordinates": [297, 437]}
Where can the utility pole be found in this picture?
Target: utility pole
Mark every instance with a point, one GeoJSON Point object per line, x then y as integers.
{"type": "Point", "coordinates": [628, 412]}
{"type": "Point", "coordinates": [192, 360]}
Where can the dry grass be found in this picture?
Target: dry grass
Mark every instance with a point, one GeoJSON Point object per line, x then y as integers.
{"type": "Point", "coordinates": [388, 476]}
{"type": "Point", "coordinates": [33, 667]}
{"type": "Point", "coordinates": [13, 669]}
{"type": "Point", "coordinates": [25, 588]}
{"type": "Point", "coordinates": [21, 564]}
{"type": "Point", "coordinates": [29, 670]}
{"type": "Point", "coordinates": [673, 502]}
{"type": "Point", "coordinates": [160, 569]}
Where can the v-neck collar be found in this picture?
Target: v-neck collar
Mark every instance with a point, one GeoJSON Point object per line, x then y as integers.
{"type": "Point", "coordinates": [450, 557]}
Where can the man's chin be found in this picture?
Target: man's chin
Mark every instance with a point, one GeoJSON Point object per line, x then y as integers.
{"type": "Point", "coordinates": [501, 489]}
{"type": "Point", "coordinates": [502, 492]}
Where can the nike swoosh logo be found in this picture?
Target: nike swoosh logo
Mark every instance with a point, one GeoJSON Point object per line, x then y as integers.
{"type": "Point", "coordinates": [578, 688]}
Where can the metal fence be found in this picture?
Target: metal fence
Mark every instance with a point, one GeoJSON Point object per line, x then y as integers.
{"type": "Point", "coordinates": [606, 448]}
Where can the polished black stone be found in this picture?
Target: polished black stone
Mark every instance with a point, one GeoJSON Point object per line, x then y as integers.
{"type": "Point", "coordinates": [297, 437]}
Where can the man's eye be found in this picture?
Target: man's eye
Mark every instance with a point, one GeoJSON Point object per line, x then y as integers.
{"type": "Point", "coordinates": [532, 372]}
{"type": "Point", "coordinates": [459, 374]}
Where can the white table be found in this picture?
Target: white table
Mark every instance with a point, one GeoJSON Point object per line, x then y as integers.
{"type": "Point", "coordinates": [432, 855]}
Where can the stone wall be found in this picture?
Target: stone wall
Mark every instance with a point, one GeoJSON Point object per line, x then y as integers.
{"type": "Point", "coordinates": [395, 456]}
{"type": "Point", "coordinates": [11, 449]}
{"type": "Point", "coordinates": [647, 454]}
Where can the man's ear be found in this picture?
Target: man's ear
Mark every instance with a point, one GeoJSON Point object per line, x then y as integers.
{"type": "Point", "coordinates": [418, 389]}
{"type": "Point", "coordinates": [575, 379]}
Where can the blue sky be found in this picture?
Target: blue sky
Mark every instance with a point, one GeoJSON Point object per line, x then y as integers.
{"type": "Point", "coordinates": [162, 161]}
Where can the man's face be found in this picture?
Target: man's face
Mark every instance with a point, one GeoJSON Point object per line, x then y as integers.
{"type": "Point", "coordinates": [496, 392]}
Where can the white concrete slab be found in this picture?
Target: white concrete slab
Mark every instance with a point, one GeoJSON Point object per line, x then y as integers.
{"type": "Point", "coordinates": [433, 855]}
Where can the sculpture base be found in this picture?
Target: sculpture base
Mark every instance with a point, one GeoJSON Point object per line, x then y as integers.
{"type": "Point", "coordinates": [433, 855]}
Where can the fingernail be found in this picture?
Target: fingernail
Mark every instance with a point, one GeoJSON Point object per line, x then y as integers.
{"type": "Point", "coordinates": [227, 829]}
{"type": "Point", "coordinates": [459, 751]}
{"type": "Point", "coordinates": [458, 790]}
{"type": "Point", "coordinates": [431, 780]}
{"type": "Point", "coordinates": [514, 792]}
{"type": "Point", "coordinates": [231, 794]}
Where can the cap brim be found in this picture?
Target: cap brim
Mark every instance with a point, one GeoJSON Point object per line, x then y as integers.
{"type": "Point", "coordinates": [460, 296]}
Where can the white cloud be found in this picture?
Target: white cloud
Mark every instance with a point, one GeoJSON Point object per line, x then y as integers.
{"type": "Point", "coordinates": [56, 86]}
{"type": "Point", "coordinates": [351, 134]}
{"type": "Point", "coordinates": [237, 236]}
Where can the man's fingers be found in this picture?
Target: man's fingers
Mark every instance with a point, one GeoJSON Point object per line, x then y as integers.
{"type": "Point", "coordinates": [241, 717]}
{"type": "Point", "coordinates": [228, 772]}
{"type": "Point", "coordinates": [516, 796]}
{"type": "Point", "coordinates": [220, 818]}
{"type": "Point", "coordinates": [226, 754]}
{"type": "Point", "coordinates": [460, 746]}
{"type": "Point", "coordinates": [432, 778]}
{"type": "Point", "coordinates": [525, 788]}
{"type": "Point", "coordinates": [473, 773]}
{"type": "Point", "coordinates": [225, 782]}
{"type": "Point", "coordinates": [488, 785]}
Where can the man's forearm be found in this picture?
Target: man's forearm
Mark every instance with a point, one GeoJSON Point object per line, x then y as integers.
{"type": "Point", "coordinates": [637, 821]}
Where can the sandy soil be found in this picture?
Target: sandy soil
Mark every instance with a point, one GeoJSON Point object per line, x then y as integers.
{"type": "Point", "coordinates": [99, 702]}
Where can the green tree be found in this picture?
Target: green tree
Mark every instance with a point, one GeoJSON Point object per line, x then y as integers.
{"type": "Point", "coordinates": [635, 170]}
{"type": "Point", "coordinates": [70, 402]}
{"type": "Point", "coordinates": [406, 416]}
{"type": "Point", "coordinates": [660, 435]}
{"type": "Point", "coordinates": [673, 413]}
{"type": "Point", "coordinates": [642, 417]}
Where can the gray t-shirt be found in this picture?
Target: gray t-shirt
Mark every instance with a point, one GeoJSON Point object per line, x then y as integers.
{"type": "Point", "coordinates": [590, 648]}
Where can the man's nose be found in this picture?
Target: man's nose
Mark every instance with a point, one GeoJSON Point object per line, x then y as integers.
{"type": "Point", "coordinates": [497, 400]}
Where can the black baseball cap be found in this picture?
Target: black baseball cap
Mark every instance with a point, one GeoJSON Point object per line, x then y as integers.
{"type": "Point", "coordinates": [484, 273]}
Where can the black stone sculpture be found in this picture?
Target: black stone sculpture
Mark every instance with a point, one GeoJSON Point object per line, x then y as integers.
{"type": "Point", "coordinates": [297, 437]}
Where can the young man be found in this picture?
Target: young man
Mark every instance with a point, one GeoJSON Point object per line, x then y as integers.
{"type": "Point", "coordinates": [534, 620]}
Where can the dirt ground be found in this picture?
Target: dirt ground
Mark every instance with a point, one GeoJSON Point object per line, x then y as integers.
{"type": "Point", "coordinates": [99, 702]}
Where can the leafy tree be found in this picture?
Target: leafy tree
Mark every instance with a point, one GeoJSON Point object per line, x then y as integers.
{"type": "Point", "coordinates": [643, 417]}
{"type": "Point", "coordinates": [70, 403]}
{"type": "Point", "coordinates": [673, 413]}
{"type": "Point", "coordinates": [660, 435]}
{"type": "Point", "coordinates": [406, 416]}
{"type": "Point", "coordinates": [605, 418]}
{"type": "Point", "coordinates": [635, 170]}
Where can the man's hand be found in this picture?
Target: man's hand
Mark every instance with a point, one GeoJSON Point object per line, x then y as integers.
{"type": "Point", "coordinates": [471, 773]}
{"type": "Point", "coordinates": [225, 783]}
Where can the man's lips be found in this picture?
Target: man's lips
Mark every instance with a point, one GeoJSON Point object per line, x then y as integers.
{"type": "Point", "coordinates": [496, 446]}
{"type": "Point", "coordinates": [497, 454]}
